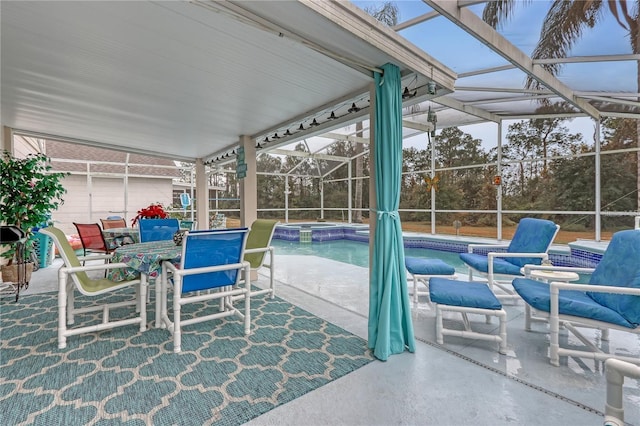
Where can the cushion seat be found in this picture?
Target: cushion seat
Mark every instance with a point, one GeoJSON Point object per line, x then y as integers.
{"type": "Point", "coordinates": [424, 266]}
{"type": "Point", "coordinates": [467, 297]}
{"type": "Point", "coordinates": [480, 263]}
{"type": "Point", "coordinates": [571, 302]}
{"type": "Point", "coordinates": [463, 293]}
{"type": "Point", "coordinates": [423, 269]}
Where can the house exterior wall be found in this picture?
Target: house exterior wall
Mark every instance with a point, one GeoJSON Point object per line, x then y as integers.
{"type": "Point", "coordinates": [88, 202]}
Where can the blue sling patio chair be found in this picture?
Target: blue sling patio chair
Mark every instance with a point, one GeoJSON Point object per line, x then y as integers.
{"type": "Point", "coordinates": [500, 263]}
{"type": "Point", "coordinates": [157, 229]}
{"type": "Point", "coordinates": [210, 269]}
{"type": "Point", "coordinates": [611, 299]}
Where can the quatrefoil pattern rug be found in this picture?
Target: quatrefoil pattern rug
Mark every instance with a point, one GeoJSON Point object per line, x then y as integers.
{"type": "Point", "coordinates": [122, 376]}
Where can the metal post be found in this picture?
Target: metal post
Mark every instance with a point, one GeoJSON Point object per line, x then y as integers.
{"type": "Point", "coordinates": [598, 218]}
{"type": "Point", "coordinates": [349, 190]}
{"type": "Point", "coordinates": [321, 199]}
{"type": "Point", "coordinates": [286, 199]}
{"type": "Point", "coordinates": [433, 189]}
{"type": "Point", "coordinates": [499, 187]}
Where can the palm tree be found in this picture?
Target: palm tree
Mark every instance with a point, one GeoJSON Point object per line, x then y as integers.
{"type": "Point", "coordinates": [563, 26]}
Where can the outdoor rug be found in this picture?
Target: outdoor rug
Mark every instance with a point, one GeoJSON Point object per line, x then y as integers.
{"type": "Point", "coordinates": [122, 376]}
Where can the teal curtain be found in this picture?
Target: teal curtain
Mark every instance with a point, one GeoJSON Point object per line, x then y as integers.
{"type": "Point", "coordinates": [390, 326]}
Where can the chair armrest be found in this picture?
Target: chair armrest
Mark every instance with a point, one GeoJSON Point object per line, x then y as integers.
{"type": "Point", "coordinates": [101, 267]}
{"type": "Point", "coordinates": [257, 250]}
{"type": "Point", "coordinates": [529, 267]}
{"type": "Point", "coordinates": [95, 257]}
{"type": "Point", "coordinates": [193, 271]}
{"type": "Point", "coordinates": [556, 286]}
{"type": "Point", "coordinates": [493, 254]}
{"type": "Point", "coordinates": [471, 247]}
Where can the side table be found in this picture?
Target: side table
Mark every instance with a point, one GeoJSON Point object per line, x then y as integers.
{"type": "Point", "coordinates": [547, 276]}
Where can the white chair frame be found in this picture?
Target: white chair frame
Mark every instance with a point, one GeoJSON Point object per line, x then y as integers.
{"type": "Point", "coordinates": [501, 281]}
{"type": "Point", "coordinates": [616, 371]}
{"type": "Point", "coordinates": [66, 297]}
{"type": "Point", "coordinates": [572, 323]}
{"type": "Point", "coordinates": [225, 294]}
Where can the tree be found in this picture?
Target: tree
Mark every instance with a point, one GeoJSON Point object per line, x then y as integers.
{"type": "Point", "coordinates": [531, 184]}
{"type": "Point", "coordinates": [563, 26]}
{"type": "Point", "coordinates": [459, 188]}
{"type": "Point", "coordinates": [537, 138]}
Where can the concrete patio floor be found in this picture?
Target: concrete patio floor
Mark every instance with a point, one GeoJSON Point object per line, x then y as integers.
{"type": "Point", "coordinates": [463, 382]}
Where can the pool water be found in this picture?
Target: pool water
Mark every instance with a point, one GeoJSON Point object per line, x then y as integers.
{"type": "Point", "coordinates": [357, 253]}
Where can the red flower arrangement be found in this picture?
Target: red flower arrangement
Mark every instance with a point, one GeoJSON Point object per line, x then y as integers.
{"type": "Point", "coordinates": [154, 211]}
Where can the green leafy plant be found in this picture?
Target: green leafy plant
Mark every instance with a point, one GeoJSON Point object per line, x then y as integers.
{"type": "Point", "coordinates": [28, 194]}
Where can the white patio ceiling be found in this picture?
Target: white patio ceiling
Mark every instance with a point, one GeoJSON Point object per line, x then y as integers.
{"type": "Point", "coordinates": [185, 79]}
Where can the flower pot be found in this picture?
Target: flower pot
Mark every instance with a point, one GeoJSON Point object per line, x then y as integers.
{"type": "Point", "coordinates": [13, 273]}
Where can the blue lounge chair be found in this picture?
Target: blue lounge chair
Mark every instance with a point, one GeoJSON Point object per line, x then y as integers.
{"type": "Point", "coordinates": [211, 260]}
{"type": "Point", "coordinates": [157, 229]}
{"type": "Point", "coordinates": [500, 263]}
{"type": "Point", "coordinates": [611, 299]}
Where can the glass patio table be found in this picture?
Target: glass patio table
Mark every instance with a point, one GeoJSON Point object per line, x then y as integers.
{"type": "Point", "coordinates": [145, 259]}
{"type": "Point", "coordinates": [116, 237]}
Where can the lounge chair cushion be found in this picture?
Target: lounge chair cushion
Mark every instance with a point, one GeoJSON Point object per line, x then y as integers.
{"type": "Point", "coordinates": [462, 293]}
{"type": "Point", "coordinates": [480, 262]}
{"type": "Point", "coordinates": [422, 266]}
{"type": "Point", "coordinates": [531, 236]}
{"type": "Point", "coordinates": [571, 302]}
{"type": "Point", "coordinates": [620, 267]}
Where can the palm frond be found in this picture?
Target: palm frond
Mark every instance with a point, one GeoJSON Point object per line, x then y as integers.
{"type": "Point", "coordinates": [562, 27]}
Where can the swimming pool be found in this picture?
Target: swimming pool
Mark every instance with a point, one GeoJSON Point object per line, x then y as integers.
{"type": "Point", "coordinates": [357, 253]}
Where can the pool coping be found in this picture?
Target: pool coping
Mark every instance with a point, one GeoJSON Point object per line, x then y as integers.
{"type": "Point", "coordinates": [581, 253]}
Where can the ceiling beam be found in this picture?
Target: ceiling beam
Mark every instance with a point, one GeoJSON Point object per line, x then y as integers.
{"type": "Point", "coordinates": [479, 29]}
{"type": "Point", "coordinates": [347, 138]}
{"type": "Point", "coordinates": [469, 109]}
{"type": "Point", "coordinates": [351, 18]}
{"type": "Point", "coordinates": [415, 21]}
{"type": "Point", "coordinates": [103, 145]}
{"type": "Point", "coordinates": [305, 154]}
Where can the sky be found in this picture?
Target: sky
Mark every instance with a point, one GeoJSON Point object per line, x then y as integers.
{"type": "Point", "coordinates": [437, 35]}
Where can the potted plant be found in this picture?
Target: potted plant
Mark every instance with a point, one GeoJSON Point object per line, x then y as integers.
{"type": "Point", "coordinates": [154, 211]}
{"type": "Point", "coordinates": [28, 195]}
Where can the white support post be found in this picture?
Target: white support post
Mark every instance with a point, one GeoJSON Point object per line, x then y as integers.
{"type": "Point", "coordinates": [598, 194]}
{"type": "Point", "coordinates": [7, 139]}
{"type": "Point", "coordinates": [249, 184]}
{"type": "Point", "coordinates": [202, 196]}
{"type": "Point", "coordinates": [499, 187]}
{"type": "Point", "coordinates": [286, 198]}
{"type": "Point", "coordinates": [433, 190]}
{"type": "Point", "coordinates": [350, 190]}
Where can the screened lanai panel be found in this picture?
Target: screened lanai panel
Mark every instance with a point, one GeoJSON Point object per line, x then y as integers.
{"type": "Point", "coordinates": [592, 69]}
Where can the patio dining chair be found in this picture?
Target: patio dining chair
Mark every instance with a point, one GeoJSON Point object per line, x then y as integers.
{"type": "Point", "coordinates": [113, 223]}
{"type": "Point", "coordinates": [91, 238]}
{"type": "Point", "coordinates": [73, 276]}
{"type": "Point", "coordinates": [258, 245]}
{"type": "Point", "coordinates": [611, 299]}
{"type": "Point", "coordinates": [211, 260]}
{"type": "Point", "coordinates": [157, 229]}
{"type": "Point", "coordinates": [500, 263]}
